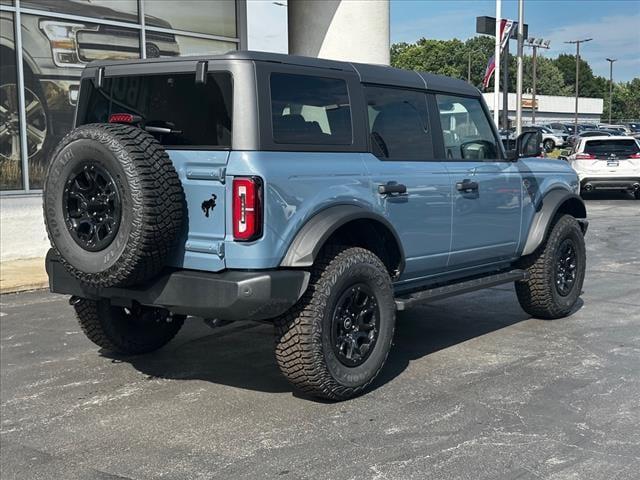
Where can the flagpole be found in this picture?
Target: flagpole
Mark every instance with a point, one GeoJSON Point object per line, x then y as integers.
{"type": "Point", "coordinates": [496, 74]}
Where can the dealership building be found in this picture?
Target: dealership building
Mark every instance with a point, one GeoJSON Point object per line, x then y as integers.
{"type": "Point", "coordinates": [46, 43]}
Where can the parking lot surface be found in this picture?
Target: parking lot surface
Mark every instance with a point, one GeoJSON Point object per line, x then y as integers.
{"type": "Point", "coordinates": [473, 389]}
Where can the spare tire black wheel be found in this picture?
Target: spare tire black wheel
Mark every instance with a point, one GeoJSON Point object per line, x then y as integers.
{"type": "Point", "coordinates": [113, 204]}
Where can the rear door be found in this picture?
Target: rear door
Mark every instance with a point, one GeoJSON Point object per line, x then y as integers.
{"type": "Point", "coordinates": [485, 188]}
{"type": "Point", "coordinates": [193, 122]}
{"type": "Point", "coordinates": [403, 156]}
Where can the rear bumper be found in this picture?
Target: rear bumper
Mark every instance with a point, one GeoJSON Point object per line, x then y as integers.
{"type": "Point", "coordinates": [230, 295]}
{"type": "Point", "coordinates": [603, 182]}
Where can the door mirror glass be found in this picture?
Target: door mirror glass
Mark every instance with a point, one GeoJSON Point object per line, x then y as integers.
{"type": "Point", "coordinates": [529, 144]}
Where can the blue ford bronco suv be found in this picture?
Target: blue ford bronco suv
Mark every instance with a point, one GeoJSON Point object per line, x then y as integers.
{"type": "Point", "coordinates": [317, 195]}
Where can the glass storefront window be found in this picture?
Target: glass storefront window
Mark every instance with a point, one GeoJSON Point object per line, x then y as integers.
{"type": "Point", "coordinates": [116, 10]}
{"type": "Point", "coordinates": [10, 159]}
{"type": "Point", "coordinates": [201, 46]}
{"type": "Point", "coordinates": [55, 51]}
{"type": "Point", "coordinates": [201, 16]}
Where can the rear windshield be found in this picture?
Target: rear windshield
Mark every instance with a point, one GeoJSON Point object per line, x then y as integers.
{"type": "Point", "coordinates": [620, 146]}
{"type": "Point", "coordinates": [196, 114]}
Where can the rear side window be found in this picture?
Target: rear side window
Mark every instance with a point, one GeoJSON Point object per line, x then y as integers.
{"type": "Point", "coordinates": [310, 110]}
{"type": "Point", "coordinates": [398, 124]}
{"type": "Point", "coordinates": [618, 147]}
{"type": "Point", "coordinates": [466, 130]}
{"type": "Point", "coordinates": [196, 114]}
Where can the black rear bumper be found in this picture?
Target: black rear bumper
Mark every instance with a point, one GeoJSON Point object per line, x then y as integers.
{"type": "Point", "coordinates": [230, 295]}
{"type": "Point", "coordinates": [595, 183]}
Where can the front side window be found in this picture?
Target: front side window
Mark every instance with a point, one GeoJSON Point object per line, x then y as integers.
{"type": "Point", "coordinates": [466, 130]}
{"type": "Point", "coordinates": [398, 124]}
{"type": "Point", "coordinates": [190, 114]}
{"type": "Point", "coordinates": [310, 110]}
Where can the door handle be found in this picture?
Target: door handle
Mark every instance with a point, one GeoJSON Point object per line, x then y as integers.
{"type": "Point", "coordinates": [391, 188]}
{"type": "Point", "coordinates": [467, 186]}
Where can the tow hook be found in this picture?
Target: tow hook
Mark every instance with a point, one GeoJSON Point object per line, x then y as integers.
{"type": "Point", "coordinates": [216, 322]}
{"type": "Point", "coordinates": [74, 300]}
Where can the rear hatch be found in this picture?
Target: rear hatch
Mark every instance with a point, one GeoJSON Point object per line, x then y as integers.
{"type": "Point", "coordinates": [193, 123]}
{"type": "Point", "coordinates": [611, 155]}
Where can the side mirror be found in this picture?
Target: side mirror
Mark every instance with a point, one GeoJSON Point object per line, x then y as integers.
{"type": "Point", "coordinates": [529, 144]}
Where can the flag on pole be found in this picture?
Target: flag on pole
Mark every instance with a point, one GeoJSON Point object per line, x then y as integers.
{"type": "Point", "coordinates": [506, 29]}
{"type": "Point", "coordinates": [491, 67]}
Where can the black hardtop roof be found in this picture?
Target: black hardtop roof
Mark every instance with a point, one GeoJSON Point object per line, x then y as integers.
{"type": "Point", "coordinates": [368, 73]}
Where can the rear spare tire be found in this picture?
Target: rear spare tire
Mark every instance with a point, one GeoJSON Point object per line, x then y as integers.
{"type": "Point", "coordinates": [113, 204]}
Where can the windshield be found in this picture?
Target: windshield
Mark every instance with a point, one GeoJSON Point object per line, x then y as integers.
{"type": "Point", "coordinates": [619, 147]}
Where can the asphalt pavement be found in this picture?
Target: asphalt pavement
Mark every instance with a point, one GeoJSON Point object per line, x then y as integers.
{"type": "Point", "coordinates": [473, 389]}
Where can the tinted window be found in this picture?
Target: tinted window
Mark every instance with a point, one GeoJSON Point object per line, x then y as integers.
{"type": "Point", "coordinates": [310, 110]}
{"type": "Point", "coordinates": [619, 147]}
{"type": "Point", "coordinates": [466, 129]}
{"type": "Point", "coordinates": [399, 124]}
{"type": "Point", "coordinates": [197, 114]}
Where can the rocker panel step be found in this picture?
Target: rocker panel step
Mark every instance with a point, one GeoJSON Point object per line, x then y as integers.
{"type": "Point", "coordinates": [465, 286]}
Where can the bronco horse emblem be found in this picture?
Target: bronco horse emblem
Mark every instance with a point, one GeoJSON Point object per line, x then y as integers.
{"type": "Point", "coordinates": [209, 205]}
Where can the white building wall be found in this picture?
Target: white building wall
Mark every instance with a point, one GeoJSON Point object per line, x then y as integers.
{"type": "Point", "coordinates": [351, 30]}
{"type": "Point", "coordinates": [22, 233]}
{"type": "Point", "coordinates": [554, 107]}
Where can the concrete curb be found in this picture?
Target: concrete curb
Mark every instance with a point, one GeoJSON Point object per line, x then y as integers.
{"type": "Point", "coordinates": [22, 275]}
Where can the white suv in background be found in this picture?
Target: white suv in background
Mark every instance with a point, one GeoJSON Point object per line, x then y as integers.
{"type": "Point", "coordinates": [607, 163]}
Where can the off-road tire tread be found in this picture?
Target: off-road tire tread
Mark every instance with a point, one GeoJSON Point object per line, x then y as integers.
{"type": "Point", "coordinates": [535, 294]}
{"type": "Point", "coordinates": [299, 335]}
{"type": "Point", "coordinates": [98, 328]}
{"type": "Point", "coordinates": [156, 192]}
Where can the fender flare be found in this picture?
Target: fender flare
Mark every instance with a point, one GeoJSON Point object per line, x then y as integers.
{"type": "Point", "coordinates": [305, 246]}
{"type": "Point", "coordinates": [545, 213]}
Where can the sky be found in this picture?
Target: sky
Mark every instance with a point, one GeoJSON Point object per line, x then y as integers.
{"type": "Point", "coordinates": [614, 26]}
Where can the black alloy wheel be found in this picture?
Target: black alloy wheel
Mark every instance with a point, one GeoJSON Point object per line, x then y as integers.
{"type": "Point", "coordinates": [565, 267]}
{"type": "Point", "coordinates": [355, 325]}
{"type": "Point", "coordinates": [92, 206]}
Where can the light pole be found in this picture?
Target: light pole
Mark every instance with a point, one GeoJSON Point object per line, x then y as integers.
{"type": "Point", "coordinates": [577, 43]}
{"type": "Point", "coordinates": [535, 44]}
{"type": "Point", "coordinates": [610, 60]}
{"type": "Point", "coordinates": [519, 76]}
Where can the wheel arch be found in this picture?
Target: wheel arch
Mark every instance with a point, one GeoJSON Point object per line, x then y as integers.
{"type": "Point", "coordinates": [346, 225]}
{"type": "Point", "coordinates": [555, 202]}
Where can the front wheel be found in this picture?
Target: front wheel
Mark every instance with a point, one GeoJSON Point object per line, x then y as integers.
{"type": "Point", "coordinates": [549, 145]}
{"type": "Point", "coordinates": [334, 342]}
{"type": "Point", "coordinates": [556, 272]}
{"type": "Point", "coordinates": [127, 331]}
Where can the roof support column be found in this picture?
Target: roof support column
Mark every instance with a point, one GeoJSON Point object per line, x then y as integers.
{"type": "Point", "coordinates": [356, 31]}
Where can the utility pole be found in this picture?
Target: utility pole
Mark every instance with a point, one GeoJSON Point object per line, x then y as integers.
{"type": "Point", "coordinates": [577, 44]}
{"type": "Point", "coordinates": [469, 68]}
{"type": "Point", "coordinates": [519, 76]}
{"type": "Point", "coordinates": [610, 60]}
{"type": "Point", "coordinates": [535, 44]}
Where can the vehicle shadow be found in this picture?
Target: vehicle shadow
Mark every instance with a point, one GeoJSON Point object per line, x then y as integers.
{"type": "Point", "coordinates": [241, 354]}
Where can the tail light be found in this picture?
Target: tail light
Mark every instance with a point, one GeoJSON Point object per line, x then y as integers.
{"type": "Point", "coordinates": [585, 156]}
{"type": "Point", "coordinates": [124, 118]}
{"type": "Point", "coordinates": [247, 208]}
{"type": "Point", "coordinates": [635, 155]}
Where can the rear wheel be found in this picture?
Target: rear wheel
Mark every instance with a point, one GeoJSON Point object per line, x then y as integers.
{"type": "Point", "coordinates": [556, 272]}
{"type": "Point", "coordinates": [128, 331]}
{"type": "Point", "coordinates": [334, 342]}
